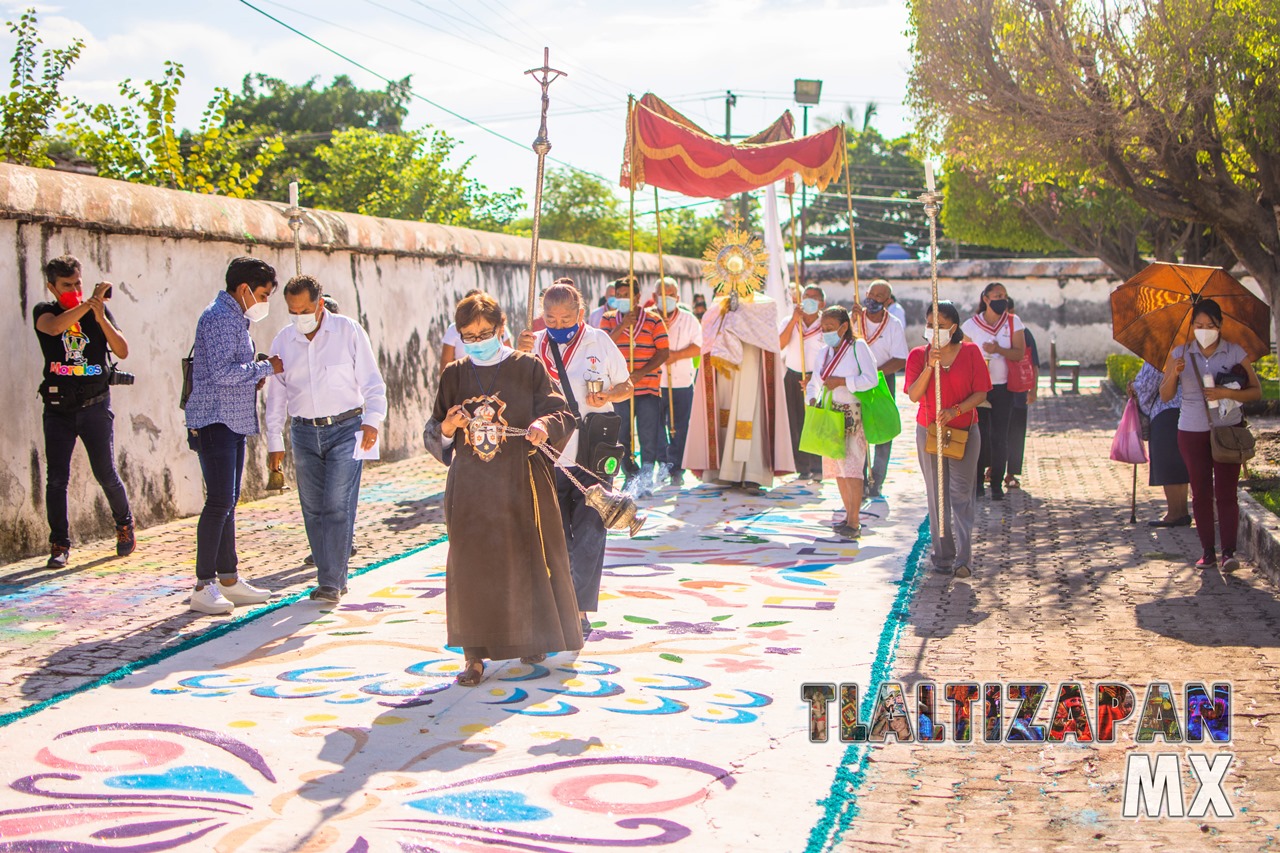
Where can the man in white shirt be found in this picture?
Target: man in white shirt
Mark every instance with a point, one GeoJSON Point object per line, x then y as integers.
{"type": "Point", "coordinates": [887, 339]}
{"type": "Point", "coordinates": [890, 302]}
{"type": "Point", "coordinates": [334, 393]}
{"type": "Point", "coordinates": [684, 335]}
{"type": "Point", "coordinates": [801, 342]}
{"type": "Point", "coordinates": [597, 316]}
{"type": "Point", "coordinates": [588, 356]}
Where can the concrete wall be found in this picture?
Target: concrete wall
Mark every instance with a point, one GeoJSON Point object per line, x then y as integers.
{"type": "Point", "coordinates": [1067, 299]}
{"type": "Point", "coordinates": [166, 252]}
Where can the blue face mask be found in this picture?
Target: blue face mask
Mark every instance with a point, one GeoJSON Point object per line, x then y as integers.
{"type": "Point", "coordinates": [623, 305]}
{"type": "Point", "coordinates": [485, 350]}
{"type": "Point", "coordinates": [832, 339]}
{"type": "Point", "coordinates": [563, 336]}
{"type": "Point", "coordinates": [611, 303]}
{"type": "Point", "coordinates": [809, 306]}
{"type": "Point", "coordinates": [669, 304]}
{"type": "Point", "coordinates": [873, 306]}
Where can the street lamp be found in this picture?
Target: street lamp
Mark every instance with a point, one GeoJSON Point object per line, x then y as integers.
{"type": "Point", "coordinates": [807, 94]}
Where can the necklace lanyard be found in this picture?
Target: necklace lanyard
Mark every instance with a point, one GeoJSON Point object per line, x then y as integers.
{"type": "Point", "coordinates": [476, 373]}
{"type": "Point", "coordinates": [829, 366]}
{"type": "Point", "coordinates": [565, 356]}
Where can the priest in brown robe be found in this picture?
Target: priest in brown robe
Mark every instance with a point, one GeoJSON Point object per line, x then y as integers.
{"type": "Point", "coordinates": [508, 588]}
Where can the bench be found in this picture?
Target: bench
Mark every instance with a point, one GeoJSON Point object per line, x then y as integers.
{"type": "Point", "coordinates": [1071, 367]}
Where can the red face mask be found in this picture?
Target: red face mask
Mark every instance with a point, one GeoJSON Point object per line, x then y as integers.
{"type": "Point", "coordinates": [70, 299]}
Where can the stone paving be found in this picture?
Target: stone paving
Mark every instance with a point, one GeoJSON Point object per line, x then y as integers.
{"type": "Point", "coordinates": [1065, 589]}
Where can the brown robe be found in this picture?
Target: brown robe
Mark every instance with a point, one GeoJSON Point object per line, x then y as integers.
{"type": "Point", "coordinates": [508, 589]}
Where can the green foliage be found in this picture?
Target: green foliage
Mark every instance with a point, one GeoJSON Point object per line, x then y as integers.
{"type": "Point", "coordinates": [33, 97]}
{"type": "Point", "coordinates": [1270, 498]}
{"type": "Point", "coordinates": [307, 117]}
{"type": "Point", "coordinates": [1266, 367]}
{"type": "Point", "coordinates": [140, 141]}
{"type": "Point", "coordinates": [978, 211]}
{"type": "Point", "coordinates": [1121, 370]}
{"type": "Point", "coordinates": [406, 176]}
{"type": "Point", "coordinates": [875, 164]}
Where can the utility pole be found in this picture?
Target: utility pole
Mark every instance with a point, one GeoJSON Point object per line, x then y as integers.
{"type": "Point", "coordinates": [730, 101]}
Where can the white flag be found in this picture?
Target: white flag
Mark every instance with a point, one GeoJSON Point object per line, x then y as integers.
{"type": "Point", "coordinates": [778, 285]}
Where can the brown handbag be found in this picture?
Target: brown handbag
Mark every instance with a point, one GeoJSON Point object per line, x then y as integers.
{"type": "Point", "coordinates": [1230, 445]}
{"type": "Point", "coordinates": [954, 440]}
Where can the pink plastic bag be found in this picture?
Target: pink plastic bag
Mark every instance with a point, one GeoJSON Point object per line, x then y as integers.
{"type": "Point", "coordinates": [1127, 445]}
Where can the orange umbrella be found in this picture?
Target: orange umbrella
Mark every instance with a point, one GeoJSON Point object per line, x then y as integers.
{"type": "Point", "coordinates": [1151, 312]}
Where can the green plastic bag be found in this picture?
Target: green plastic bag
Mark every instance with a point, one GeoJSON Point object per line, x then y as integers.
{"type": "Point", "coordinates": [823, 432]}
{"type": "Point", "coordinates": [881, 422]}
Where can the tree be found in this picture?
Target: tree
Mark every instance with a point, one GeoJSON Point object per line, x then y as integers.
{"type": "Point", "coordinates": [406, 176]}
{"type": "Point", "coordinates": [33, 97]}
{"type": "Point", "coordinates": [1170, 103]}
{"type": "Point", "coordinates": [579, 208]}
{"type": "Point", "coordinates": [877, 167]}
{"type": "Point", "coordinates": [140, 142]}
{"type": "Point", "coordinates": [308, 117]}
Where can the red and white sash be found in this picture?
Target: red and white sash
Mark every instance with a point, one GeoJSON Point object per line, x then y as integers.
{"type": "Point", "coordinates": [874, 336]}
{"type": "Point", "coordinates": [994, 331]}
{"type": "Point", "coordinates": [833, 358]}
{"type": "Point", "coordinates": [544, 352]}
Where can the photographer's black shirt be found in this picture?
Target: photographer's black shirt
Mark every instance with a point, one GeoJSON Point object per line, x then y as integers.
{"type": "Point", "coordinates": [76, 360]}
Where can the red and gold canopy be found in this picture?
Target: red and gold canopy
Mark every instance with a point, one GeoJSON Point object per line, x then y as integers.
{"type": "Point", "coordinates": [665, 149]}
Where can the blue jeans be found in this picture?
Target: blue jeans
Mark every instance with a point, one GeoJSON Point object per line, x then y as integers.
{"type": "Point", "coordinates": [94, 425]}
{"type": "Point", "coordinates": [673, 450]}
{"type": "Point", "coordinates": [328, 489]}
{"type": "Point", "coordinates": [648, 432]}
{"type": "Point", "coordinates": [221, 452]}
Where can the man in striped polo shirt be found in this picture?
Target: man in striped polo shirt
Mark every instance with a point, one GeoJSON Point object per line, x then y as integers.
{"type": "Point", "coordinates": [640, 335]}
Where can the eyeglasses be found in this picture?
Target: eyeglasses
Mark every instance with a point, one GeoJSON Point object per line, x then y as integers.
{"type": "Point", "coordinates": [477, 339]}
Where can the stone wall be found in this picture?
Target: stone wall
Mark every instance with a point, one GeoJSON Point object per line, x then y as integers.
{"type": "Point", "coordinates": [1062, 299]}
{"type": "Point", "coordinates": [166, 252]}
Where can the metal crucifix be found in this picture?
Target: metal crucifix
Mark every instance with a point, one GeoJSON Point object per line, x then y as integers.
{"type": "Point", "coordinates": [546, 75]}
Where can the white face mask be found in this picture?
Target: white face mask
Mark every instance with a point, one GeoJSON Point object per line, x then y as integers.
{"type": "Point", "coordinates": [257, 311]}
{"type": "Point", "coordinates": [944, 335]}
{"type": "Point", "coordinates": [1206, 337]}
{"type": "Point", "coordinates": [305, 323]}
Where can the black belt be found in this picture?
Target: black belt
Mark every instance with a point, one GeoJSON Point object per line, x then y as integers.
{"type": "Point", "coordinates": [332, 419]}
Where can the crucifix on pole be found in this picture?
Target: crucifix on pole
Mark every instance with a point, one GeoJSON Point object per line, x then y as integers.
{"type": "Point", "coordinates": [546, 75]}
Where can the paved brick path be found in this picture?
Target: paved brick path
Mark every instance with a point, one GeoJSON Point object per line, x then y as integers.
{"type": "Point", "coordinates": [61, 629]}
{"type": "Point", "coordinates": [1065, 589]}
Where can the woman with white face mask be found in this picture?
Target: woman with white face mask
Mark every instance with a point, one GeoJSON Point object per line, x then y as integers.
{"type": "Point", "coordinates": [1215, 376]}
{"type": "Point", "coordinates": [965, 383]}
{"type": "Point", "coordinates": [845, 366]}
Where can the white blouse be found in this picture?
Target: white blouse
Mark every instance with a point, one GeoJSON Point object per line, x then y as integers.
{"type": "Point", "coordinates": [857, 367]}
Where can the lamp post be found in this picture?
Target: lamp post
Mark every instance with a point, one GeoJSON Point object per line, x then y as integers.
{"type": "Point", "coordinates": [807, 94]}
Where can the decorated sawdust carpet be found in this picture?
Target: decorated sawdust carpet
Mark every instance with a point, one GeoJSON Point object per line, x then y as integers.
{"type": "Point", "coordinates": [679, 725]}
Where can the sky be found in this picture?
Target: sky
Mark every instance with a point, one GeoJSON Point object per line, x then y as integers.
{"type": "Point", "coordinates": [469, 57]}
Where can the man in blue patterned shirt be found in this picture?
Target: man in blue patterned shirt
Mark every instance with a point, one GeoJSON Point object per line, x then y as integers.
{"type": "Point", "coordinates": [221, 412]}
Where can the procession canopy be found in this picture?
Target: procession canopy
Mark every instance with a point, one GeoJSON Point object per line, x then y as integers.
{"type": "Point", "coordinates": [665, 149]}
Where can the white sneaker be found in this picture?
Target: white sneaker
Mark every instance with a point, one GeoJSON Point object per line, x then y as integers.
{"type": "Point", "coordinates": [241, 592]}
{"type": "Point", "coordinates": [208, 599]}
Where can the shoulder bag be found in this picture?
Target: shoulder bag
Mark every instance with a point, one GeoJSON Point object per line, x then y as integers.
{"type": "Point", "coordinates": [188, 367]}
{"type": "Point", "coordinates": [881, 421]}
{"type": "Point", "coordinates": [598, 449]}
{"type": "Point", "coordinates": [1232, 445]}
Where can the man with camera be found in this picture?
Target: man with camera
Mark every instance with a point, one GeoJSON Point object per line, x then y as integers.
{"type": "Point", "coordinates": [77, 339]}
{"type": "Point", "coordinates": [334, 400]}
{"type": "Point", "coordinates": [222, 412]}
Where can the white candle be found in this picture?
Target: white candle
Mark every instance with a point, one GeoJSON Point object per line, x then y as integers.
{"type": "Point", "coordinates": [928, 174]}
{"type": "Point", "coordinates": [293, 193]}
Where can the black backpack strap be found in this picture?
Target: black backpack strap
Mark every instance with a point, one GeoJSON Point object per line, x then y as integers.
{"type": "Point", "coordinates": [565, 385]}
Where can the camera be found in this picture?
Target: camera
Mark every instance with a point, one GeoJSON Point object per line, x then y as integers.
{"type": "Point", "coordinates": [116, 376]}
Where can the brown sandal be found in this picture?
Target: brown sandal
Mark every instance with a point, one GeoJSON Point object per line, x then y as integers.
{"type": "Point", "coordinates": [472, 675]}
{"type": "Point", "coordinates": [1011, 482]}
{"type": "Point", "coordinates": [539, 658]}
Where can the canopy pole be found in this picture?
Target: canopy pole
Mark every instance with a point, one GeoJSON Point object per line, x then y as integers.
{"type": "Point", "coordinates": [631, 277]}
{"type": "Point", "coordinates": [662, 312]}
{"type": "Point", "coordinates": [853, 242]}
